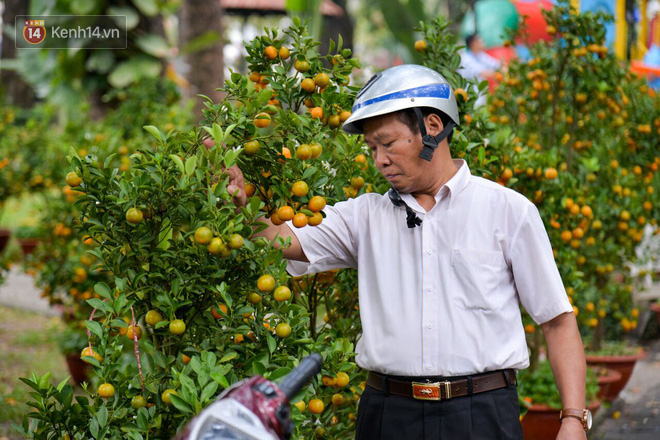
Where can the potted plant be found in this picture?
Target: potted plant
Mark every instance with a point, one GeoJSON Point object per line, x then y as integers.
{"type": "Point", "coordinates": [71, 341]}
{"type": "Point", "coordinates": [619, 356]}
{"type": "Point", "coordinates": [655, 308]}
{"type": "Point", "coordinates": [4, 238]}
{"type": "Point", "coordinates": [28, 236]}
{"type": "Point", "coordinates": [540, 402]}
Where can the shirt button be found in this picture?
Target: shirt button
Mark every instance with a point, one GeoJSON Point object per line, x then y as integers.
{"type": "Point", "coordinates": [430, 289]}
{"type": "Point", "coordinates": [428, 367]}
{"type": "Point", "coordinates": [429, 252]}
{"type": "Point", "coordinates": [429, 326]}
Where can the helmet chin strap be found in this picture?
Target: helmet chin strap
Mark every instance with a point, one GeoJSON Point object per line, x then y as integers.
{"type": "Point", "coordinates": [431, 142]}
{"type": "Point", "coordinates": [411, 218]}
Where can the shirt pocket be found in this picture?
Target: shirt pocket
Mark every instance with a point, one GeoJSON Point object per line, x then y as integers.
{"type": "Point", "coordinates": [476, 278]}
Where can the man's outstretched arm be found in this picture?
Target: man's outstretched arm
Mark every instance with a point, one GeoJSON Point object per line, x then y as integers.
{"type": "Point", "coordinates": [236, 186]}
{"type": "Point", "coordinates": [569, 366]}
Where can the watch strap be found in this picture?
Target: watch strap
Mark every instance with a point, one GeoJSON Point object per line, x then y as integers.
{"type": "Point", "coordinates": [579, 414]}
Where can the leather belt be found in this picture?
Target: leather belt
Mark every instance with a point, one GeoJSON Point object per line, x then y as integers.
{"type": "Point", "coordinates": [443, 389]}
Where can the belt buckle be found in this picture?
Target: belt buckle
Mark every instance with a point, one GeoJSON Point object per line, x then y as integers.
{"type": "Point", "coordinates": [430, 390]}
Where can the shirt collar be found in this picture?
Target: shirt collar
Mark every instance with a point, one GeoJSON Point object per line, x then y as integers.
{"type": "Point", "coordinates": [457, 183]}
{"type": "Point", "coordinates": [452, 188]}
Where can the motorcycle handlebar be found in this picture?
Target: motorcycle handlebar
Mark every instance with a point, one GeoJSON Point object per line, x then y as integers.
{"type": "Point", "coordinates": [294, 381]}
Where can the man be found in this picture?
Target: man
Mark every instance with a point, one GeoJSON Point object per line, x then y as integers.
{"type": "Point", "coordinates": [478, 65]}
{"type": "Point", "coordinates": [475, 62]}
{"type": "Point", "coordinates": [443, 261]}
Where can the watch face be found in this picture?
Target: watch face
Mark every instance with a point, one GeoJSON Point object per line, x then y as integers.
{"type": "Point", "coordinates": [588, 419]}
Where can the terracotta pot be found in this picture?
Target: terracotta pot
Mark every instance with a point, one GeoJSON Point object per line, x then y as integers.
{"type": "Point", "coordinates": [606, 381]}
{"type": "Point", "coordinates": [4, 238]}
{"type": "Point", "coordinates": [624, 364]}
{"type": "Point", "coordinates": [542, 422]}
{"type": "Point", "coordinates": [77, 368]}
{"type": "Point", "coordinates": [28, 245]}
{"type": "Point", "coordinates": [655, 308]}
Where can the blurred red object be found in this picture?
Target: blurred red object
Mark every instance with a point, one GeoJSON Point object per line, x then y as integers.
{"type": "Point", "coordinates": [504, 54]}
{"type": "Point", "coordinates": [534, 20]}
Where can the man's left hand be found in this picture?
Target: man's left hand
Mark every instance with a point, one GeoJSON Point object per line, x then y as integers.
{"type": "Point", "coordinates": [571, 429]}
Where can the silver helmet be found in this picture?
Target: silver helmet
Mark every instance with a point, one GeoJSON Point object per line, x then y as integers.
{"type": "Point", "coordinates": [399, 88]}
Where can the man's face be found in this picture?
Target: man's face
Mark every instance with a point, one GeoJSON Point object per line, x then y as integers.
{"type": "Point", "coordinates": [477, 45]}
{"type": "Point", "coordinates": [395, 150]}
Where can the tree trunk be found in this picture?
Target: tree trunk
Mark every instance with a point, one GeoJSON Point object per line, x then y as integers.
{"type": "Point", "coordinates": [333, 27]}
{"type": "Point", "coordinates": [206, 66]}
{"type": "Point", "coordinates": [12, 87]}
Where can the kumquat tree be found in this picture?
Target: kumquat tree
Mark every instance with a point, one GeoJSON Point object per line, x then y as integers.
{"type": "Point", "coordinates": [570, 129]}
{"type": "Point", "coordinates": [161, 271]}
{"type": "Point", "coordinates": [586, 155]}
{"type": "Point", "coordinates": [193, 302]}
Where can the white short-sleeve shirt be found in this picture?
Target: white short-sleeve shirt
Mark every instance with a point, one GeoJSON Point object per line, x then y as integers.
{"type": "Point", "coordinates": [441, 299]}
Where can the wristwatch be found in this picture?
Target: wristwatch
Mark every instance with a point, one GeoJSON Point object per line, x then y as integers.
{"type": "Point", "coordinates": [583, 415]}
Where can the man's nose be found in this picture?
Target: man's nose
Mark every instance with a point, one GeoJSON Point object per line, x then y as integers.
{"type": "Point", "coordinates": [381, 158]}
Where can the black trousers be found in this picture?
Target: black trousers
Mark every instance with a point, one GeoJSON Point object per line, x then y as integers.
{"type": "Point", "coordinates": [493, 415]}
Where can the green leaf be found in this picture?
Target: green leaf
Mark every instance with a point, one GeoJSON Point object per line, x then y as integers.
{"type": "Point", "coordinates": [100, 61]}
{"type": "Point", "coordinates": [82, 7]}
{"type": "Point", "coordinates": [165, 235]}
{"type": "Point", "coordinates": [264, 96]}
{"type": "Point", "coordinates": [202, 42]}
{"type": "Point", "coordinates": [218, 135]}
{"type": "Point", "coordinates": [147, 7]}
{"type": "Point", "coordinates": [92, 361]}
{"type": "Point", "coordinates": [120, 303]}
{"type": "Point", "coordinates": [209, 391]}
{"type": "Point", "coordinates": [179, 163]}
{"type": "Point", "coordinates": [191, 164]}
{"type": "Point", "coordinates": [143, 418]}
{"type": "Point", "coordinates": [221, 379]}
{"type": "Point", "coordinates": [272, 344]}
{"type": "Point", "coordinates": [258, 368]}
{"type": "Point", "coordinates": [155, 132]}
{"type": "Point", "coordinates": [180, 404]}
{"type": "Point", "coordinates": [98, 304]}
{"type": "Point", "coordinates": [62, 384]}
{"type": "Point", "coordinates": [188, 383]}
{"type": "Point", "coordinates": [44, 381]}
{"type": "Point", "coordinates": [102, 416]}
{"type": "Point", "coordinates": [309, 172]}
{"type": "Point", "coordinates": [230, 157]}
{"type": "Point", "coordinates": [295, 6]}
{"type": "Point", "coordinates": [95, 328]}
{"type": "Point", "coordinates": [94, 428]}
{"type": "Point", "coordinates": [229, 130]}
{"type": "Point", "coordinates": [228, 356]}
{"type": "Point", "coordinates": [127, 72]}
{"type": "Point", "coordinates": [103, 290]}
{"type": "Point", "coordinates": [132, 16]}
{"type": "Point", "coordinates": [280, 372]}
{"type": "Point", "coordinates": [154, 45]}
{"type": "Point", "coordinates": [203, 376]}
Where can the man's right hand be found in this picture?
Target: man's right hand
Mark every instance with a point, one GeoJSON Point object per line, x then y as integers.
{"type": "Point", "coordinates": [236, 185]}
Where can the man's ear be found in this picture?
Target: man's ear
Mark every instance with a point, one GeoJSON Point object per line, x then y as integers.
{"type": "Point", "coordinates": [434, 124]}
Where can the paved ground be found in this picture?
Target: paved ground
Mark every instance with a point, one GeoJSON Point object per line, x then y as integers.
{"type": "Point", "coordinates": [19, 291]}
{"type": "Point", "coordinates": [637, 408]}
{"type": "Point", "coordinates": [638, 405]}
